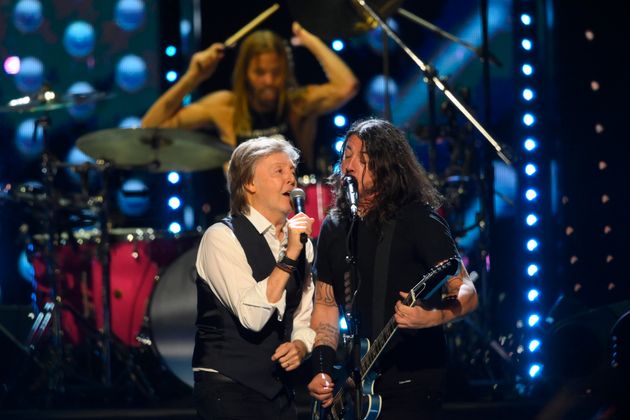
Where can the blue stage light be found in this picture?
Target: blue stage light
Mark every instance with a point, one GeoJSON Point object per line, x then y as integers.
{"type": "Point", "coordinates": [532, 269]}
{"type": "Point", "coordinates": [174, 202]}
{"type": "Point", "coordinates": [175, 228]}
{"type": "Point", "coordinates": [337, 45]}
{"type": "Point", "coordinates": [173, 177]}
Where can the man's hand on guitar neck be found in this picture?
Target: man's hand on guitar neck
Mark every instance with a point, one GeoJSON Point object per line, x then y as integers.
{"type": "Point", "coordinates": [321, 388]}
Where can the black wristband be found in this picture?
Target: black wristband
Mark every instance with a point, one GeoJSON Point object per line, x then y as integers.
{"type": "Point", "coordinates": [323, 359]}
{"type": "Point", "coordinates": [288, 261]}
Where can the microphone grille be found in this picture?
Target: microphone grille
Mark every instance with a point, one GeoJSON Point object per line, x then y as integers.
{"type": "Point", "coordinates": [297, 193]}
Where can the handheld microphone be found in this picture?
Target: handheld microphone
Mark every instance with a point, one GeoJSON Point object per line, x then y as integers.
{"type": "Point", "coordinates": [351, 191]}
{"type": "Point", "coordinates": [298, 198]}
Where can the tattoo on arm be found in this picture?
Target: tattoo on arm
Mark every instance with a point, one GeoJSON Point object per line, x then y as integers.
{"type": "Point", "coordinates": [327, 334]}
{"type": "Point", "coordinates": [324, 294]}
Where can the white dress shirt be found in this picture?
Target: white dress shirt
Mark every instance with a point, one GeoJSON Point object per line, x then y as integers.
{"type": "Point", "coordinates": [221, 261]}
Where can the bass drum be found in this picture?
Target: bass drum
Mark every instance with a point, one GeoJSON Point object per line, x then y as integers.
{"type": "Point", "coordinates": [172, 313]}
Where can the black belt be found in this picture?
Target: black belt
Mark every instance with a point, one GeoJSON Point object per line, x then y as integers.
{"type": "Point", "coordinates": [203, 376]}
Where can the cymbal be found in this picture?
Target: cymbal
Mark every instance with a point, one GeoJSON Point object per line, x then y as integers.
{"type": "Point", "coordinates": [47, 101]}
{"type": "Point", "coordinates": [156, 149]}
{"type": "Point", "coordinates": [331, 19]}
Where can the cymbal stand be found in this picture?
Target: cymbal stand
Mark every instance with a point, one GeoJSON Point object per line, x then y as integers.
{"type": "Point", "coordinates": [440, 84]}
{"type": "Point", "coordinates": [105, 260]}
{"type": "Point", "coordinates": [52, 309]}
{"type": "Point", "coordinates": [485, 180]}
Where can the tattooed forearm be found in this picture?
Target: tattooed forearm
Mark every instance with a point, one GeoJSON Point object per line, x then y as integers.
{"type": "Point", "coordinates": [327, 334]}
{"type": "Point", "coordinates": [324, 294]}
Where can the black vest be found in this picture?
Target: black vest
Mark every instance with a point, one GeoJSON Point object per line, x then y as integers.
{"type": "Point", "coordinates": [222, 343]}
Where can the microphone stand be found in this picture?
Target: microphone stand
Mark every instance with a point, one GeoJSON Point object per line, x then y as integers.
{"type": "Point", "coordinates": [440, 84]}
{"type": "Point", "coordinates": [482, 52]}
{"type": "Point", "coordinates": [351, 315]}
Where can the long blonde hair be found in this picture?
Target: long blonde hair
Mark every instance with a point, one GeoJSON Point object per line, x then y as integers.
{"type": "Point", "coordinates": [257, 43]}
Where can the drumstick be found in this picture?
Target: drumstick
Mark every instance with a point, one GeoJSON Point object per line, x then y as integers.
{"type": "Point", "coordinates": [251, 25]}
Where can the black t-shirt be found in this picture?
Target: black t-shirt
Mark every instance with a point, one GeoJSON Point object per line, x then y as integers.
{"type": "Point", "coordinates": [421, 239]}
{"type": "Point", "coordinates": [267, 124]}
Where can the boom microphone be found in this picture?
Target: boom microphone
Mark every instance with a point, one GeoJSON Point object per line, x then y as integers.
{"type": "Point", "coordinates": [351, 191]}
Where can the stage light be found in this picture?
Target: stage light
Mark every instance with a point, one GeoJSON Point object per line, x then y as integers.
{"type": "Point", "coordinates": [529, 119]}
{"type": "Point", "coordinates": [532, 269]}
{"type": "Point", "coordinates": [340, 120]}
{"type": "Point", "coordinates": [532, 295]}
{"type": "Point", "coordinates": [171, 76]}
{"type": "Point", "coordinates": [343, 325]}
{"type": "Point", "coordinates": [530, 169]}
{"type": "Point", "coordinates": [133, 197]}
{"type": "Point", "coordinates": [173, 177]}
{"type": "Point", "coordinates": [79, 39]}
{"type": "Point", "coordinates": [526, 19]}
{"type": "Point", "coordinates": [131, 73]}
{"type": "Point", "coordinates": [12, 65]}
{"type": "Point", "coordinates": [81, 111]}
{"type": "Point", "coordinates": [76, 157]}
{"type": "Point", "coordinates": [533, 345]}
{"type": "Point", "coordinates": [30, 76]}
{"type": "Point", "coordinates": [27, 15]}
{"type": "Point", "coordinates": [129, 14]}
{"type": "Point", "coordinates": [28, 147]}
{"type": "Point", "coordinates": [531, 194]}
{"type": "Point", "coordinates": [530, 144]}
{"type": "Point", "coordinates": [338, 145]}
{"type": "Point", "coordinates": [189, 217]}
{"type": "Point", "coordinates": [130, 122]}
{"type": "Point", "coordinates": [170, 51]}
{"type": "Point", "coordinates": [375, 92]}
{"type": "Point", "coordinates": [25, 268]}
{"type": "Point", "coordinates": [533, 319]}
{"type": "Point", "coordinates": [175, 228]}
{"type": "Point", "coordinates": [528, 94]}
{"type": "Point", "coordinates": [527, 69]}
{"type": "Point", "coordinates": [534, 370]}
{"type": "Point", "coordinates": [532, 244]}
{"type": "Point", "coordinates": [174, 202]}
{"type": "Point", "coordinates": [526, 44]}
{"type": "Point", "coordinates": [337, 45]}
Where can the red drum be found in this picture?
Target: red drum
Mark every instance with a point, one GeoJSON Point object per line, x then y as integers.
{"type": "Point", "coordinates": [71, 260]}
{"type": "Point", "coordinates": [137, 256]}
{"type": "Point", "coordinates": [319, 199]}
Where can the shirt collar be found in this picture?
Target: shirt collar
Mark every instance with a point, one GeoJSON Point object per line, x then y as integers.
{"type": "Point", "coordinates": [260, 222]}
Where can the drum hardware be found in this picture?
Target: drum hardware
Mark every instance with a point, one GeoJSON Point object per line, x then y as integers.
{"type": "Point", "coordinates": [332, 19]}
{"type": "Point", "coordinates": [46, 100]}
{"type": "Point", "coordinates": [155, 149]}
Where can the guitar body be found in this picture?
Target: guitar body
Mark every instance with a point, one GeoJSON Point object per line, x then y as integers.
{"type": "Point", "coordinates": [371, 403]}
{"type": "Point", "coordinates": [342, 406]}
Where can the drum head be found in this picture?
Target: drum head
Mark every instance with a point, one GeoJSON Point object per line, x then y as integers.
{"type": "Point", "coordinates": [172, 313]}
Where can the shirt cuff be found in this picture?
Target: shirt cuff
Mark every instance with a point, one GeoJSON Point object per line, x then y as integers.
{"type": "Point", "coordinates": [305, 335]}
{"type": "Point", "coordinates": [259, 299]}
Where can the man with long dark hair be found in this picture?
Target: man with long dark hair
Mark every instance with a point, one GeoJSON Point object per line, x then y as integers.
{"type": "Point", "coordinates": [265, 98]}
{"type": "Point", "coordinates": [396, 207]}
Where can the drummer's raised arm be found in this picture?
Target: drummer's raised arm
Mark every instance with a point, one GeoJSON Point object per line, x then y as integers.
{"type": "Point", "coordinates": [164, 112]}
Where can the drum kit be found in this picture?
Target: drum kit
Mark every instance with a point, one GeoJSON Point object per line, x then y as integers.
{"type": "Point", "coordinates": [101, 286]}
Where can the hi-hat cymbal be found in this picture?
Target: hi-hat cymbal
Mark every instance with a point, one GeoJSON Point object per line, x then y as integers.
{"type": "Point", "coordinates": [156, 149]}
{"type": "Point", "coordinates": [47, 101]}
{"type": "Point", "coordinates": [331, 19]}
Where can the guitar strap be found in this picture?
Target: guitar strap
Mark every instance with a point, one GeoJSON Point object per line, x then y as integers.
{"type": "Point", "coordinates": [380, 279]}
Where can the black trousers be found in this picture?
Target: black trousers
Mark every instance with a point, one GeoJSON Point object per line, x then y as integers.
{"type": "Point", "coordinates": [420, 398]}
{"type": "Point", "coordinates": [218, 397]}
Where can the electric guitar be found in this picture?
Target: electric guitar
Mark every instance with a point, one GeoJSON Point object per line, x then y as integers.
{"type": "Point", "coordinates": [342, 405]}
